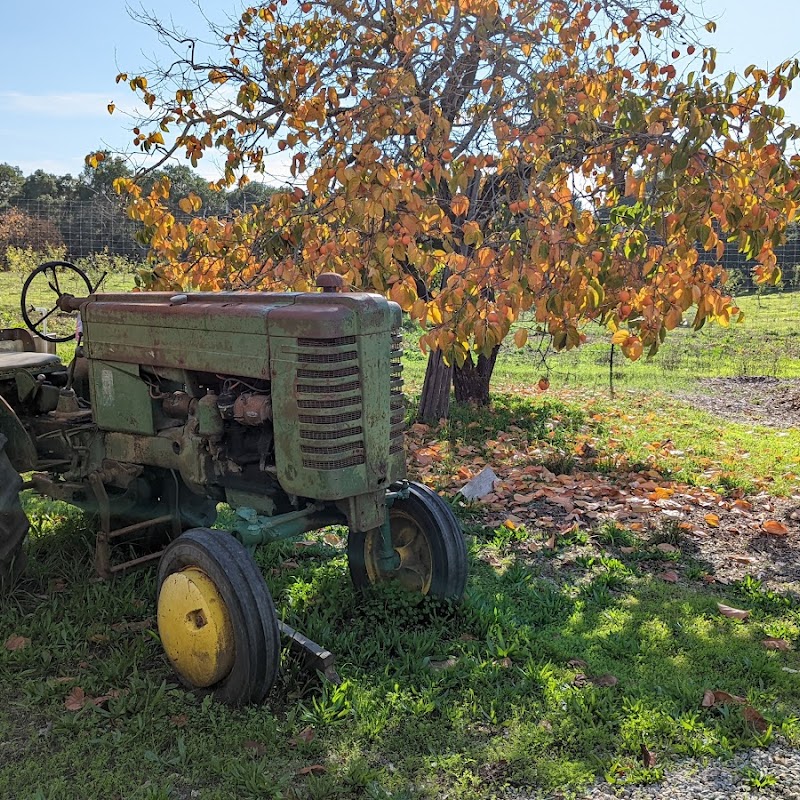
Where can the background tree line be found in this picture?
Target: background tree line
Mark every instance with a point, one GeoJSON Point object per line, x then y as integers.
{"type": "Point", "coordinates": [85, 215]}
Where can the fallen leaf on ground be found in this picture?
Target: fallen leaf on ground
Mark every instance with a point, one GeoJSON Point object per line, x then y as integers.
{"type": "Point", "coordinates": [17, 643]}
{"type": "Point", "coordinates": [733, 613]}
{"type": "Point", "coordinates": [775, 528]}
{"type": "Point", "coordinates": [75, 700]}
{"type": "Point", "coordinates": [708, 699]}
{"type": "Point", "coordinates": [743, 559]}
{"type": "Point", "coordinates": [577, 663]}
{"type": "Point", "coordinates": [669, 576]}
{"type": "Point", "coordinates": [755, 719]}
{"type": "Point", "coordinates": [665, 547]}
{"type": "Point", "coordinates": [179, 720]}
{"type": "Point", "coordinates": [648, 757]}
{"type": "Point", "coordinates": [723, 698]}
{"type": "Point", "coordinates": [776, 644]}
{"type": "Point", "coordinates": [306, 735]}
{"type": "Point", "coordinates": [712, 520]}
{"type": "Point", "coordinates": [313, 769]}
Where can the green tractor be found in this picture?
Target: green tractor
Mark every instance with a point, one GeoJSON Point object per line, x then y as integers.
{"type": "Point", "coordinates": [286, 406]}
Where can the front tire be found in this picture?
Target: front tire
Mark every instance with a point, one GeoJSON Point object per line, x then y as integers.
{"type": "Point", "coordinates": [431, 557]}
{"type": "Point", "coordinates": [216, 617]}
{"type": "Point", "coordinates": [13, 522]}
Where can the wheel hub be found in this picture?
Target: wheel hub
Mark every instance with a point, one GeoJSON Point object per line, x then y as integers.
{"type": "Point", "coordinates": [195, 627]}
{"type": "Point", "coordinates": [412, 565]}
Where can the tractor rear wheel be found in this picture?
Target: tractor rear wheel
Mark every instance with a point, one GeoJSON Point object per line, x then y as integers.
{"type": "Point", "coordinates": [13, 522]}
{"type": "Point", "coordinates": [216, 617]}
{"type": "Point", "coordinates": [430, 554]}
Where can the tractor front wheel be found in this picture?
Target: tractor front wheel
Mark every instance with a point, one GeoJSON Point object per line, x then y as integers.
{"type": "Point", "coordinates": [430, 556]}
{"type": "Point", "coordinates": [216, 617]}
{"type": "Point", "coordinates": [13, 522]}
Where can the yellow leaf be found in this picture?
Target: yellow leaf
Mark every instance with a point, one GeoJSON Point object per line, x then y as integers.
{"type": "Point", "coordinates": [110, 108]}
{"type": "Point", "coordinates": [712, 520]}
{"type": "Point", "coordinates": [620, 337]}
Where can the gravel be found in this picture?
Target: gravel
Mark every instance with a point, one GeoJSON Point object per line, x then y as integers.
{"type": "Point", "coordinates": [730, 779]}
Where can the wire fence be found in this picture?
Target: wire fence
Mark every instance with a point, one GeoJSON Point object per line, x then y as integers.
{"type": "Point", "coordinates": [83, 227]}
{"type": "Point", "coordinates": [101, 225]}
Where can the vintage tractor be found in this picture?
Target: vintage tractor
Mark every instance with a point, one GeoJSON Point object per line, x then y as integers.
{"type": "Point", "coordinates": [286, 406]}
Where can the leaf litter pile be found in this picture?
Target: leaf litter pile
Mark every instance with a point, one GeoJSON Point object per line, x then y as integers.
{"type": "Point", "coordinates": [587, 481]}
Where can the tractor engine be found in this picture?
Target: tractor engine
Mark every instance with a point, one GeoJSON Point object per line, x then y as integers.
{"type": "Point", "coordinates": [255, 398]}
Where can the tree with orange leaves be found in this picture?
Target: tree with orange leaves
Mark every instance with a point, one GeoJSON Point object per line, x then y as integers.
{"type": "Point", "coordinates": [475, 160]}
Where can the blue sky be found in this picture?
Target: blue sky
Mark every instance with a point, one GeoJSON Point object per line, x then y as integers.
{"type": "Point", "coordinates": [58, 61]}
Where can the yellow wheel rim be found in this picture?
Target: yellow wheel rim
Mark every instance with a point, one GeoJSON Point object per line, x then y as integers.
{"type": "Point", "coordinates": [414, 570]}
{"type": "Point", "coordinates": [195, 627]}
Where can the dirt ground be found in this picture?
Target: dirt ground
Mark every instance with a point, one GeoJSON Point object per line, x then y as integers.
{"type": "Point", "coordinates": [739, 549]}
{"type": "Point", "coordinates": [757, 399]}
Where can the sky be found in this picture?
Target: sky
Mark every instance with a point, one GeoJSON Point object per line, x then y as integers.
{"type": "Point", "coordinates": [58, 65]}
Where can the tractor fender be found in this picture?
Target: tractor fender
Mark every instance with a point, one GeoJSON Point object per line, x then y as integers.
{"type": "Point", "coordinates": [20, 448]}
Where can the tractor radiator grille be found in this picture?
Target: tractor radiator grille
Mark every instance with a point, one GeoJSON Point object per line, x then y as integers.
{"type": "Point", "coordinates": [397, 404]}
{"type": "Point", "coordinates": [330, 398]}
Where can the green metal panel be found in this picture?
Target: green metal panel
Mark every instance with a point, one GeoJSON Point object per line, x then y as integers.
{"type": "Point", "coordinates": [120, 398]}
{"type": "Point", "coordinates": [217, 333]}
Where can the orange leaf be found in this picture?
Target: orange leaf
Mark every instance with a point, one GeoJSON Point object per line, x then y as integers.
{"type": "Point", "coordinates": [712, 520]}
{"type": "Point", "coordinates": [775, 528]}
{"type": "Point", "coordinates": [520, 337]}
{"type": "Point", "coordinates": [460, 205]}
{"type": "Point", "coordinates": [732, 613]}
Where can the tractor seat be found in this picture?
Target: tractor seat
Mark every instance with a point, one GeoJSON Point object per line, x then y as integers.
{"type": "Point", "coordinates": [29, 361]}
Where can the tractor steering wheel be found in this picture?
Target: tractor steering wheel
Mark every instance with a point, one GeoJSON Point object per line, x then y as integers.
{"type": "Point", "coordinates": [40, 308]}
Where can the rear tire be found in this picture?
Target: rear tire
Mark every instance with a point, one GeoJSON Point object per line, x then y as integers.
{"type": "Point", "coordinates": [241, 640]}
{"type": "Point", "coordinates": [13, 522]}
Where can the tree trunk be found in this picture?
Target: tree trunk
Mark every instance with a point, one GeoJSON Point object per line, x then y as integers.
{"type": "Point", "coordinates": [471, 381]}
{"type": "Point", "coordinates": [434, 403]}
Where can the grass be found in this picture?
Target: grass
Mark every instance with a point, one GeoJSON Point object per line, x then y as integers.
{"type": "Point", "coordinates": [469, 701]}
{"type": "Point", "coordinates": [766, 343]}
{"type": "Point", "coordinates": [508, 693]}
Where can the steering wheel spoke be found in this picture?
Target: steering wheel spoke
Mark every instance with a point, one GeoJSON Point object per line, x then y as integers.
{"type": "Point", "coordinates": [41, 293]}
